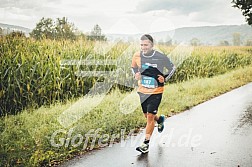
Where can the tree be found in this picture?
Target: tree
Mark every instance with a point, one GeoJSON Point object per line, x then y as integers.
{"type": "Point", "coordinates": [224, 43]}
{"type": "Point", "coordinates": [64, 29]}
{"type": "Point", "coordinates": [1, 31]}
{"type": "Point", "coordinates": [44, 29]}
{"type": "Point", "coordinates": [47, 28]}
{"type": "Point", "coordinates": [246, 7]}
{"type": "Point", "coordinates": [96, 34]}
{"type": "Point", "coordinates": [236, 39]}
{"type": "Point", "coordinates": [195, 42]}
{"type": "Point", "coordinates": [16, 34]}
{"type": "Point", "coordinates": [249, 42]}
{"type": "Point", "coordinates": [80, 35]}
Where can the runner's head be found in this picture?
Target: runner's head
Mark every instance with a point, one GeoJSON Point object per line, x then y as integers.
{"type": "Point", "coordinates": [146, 43]}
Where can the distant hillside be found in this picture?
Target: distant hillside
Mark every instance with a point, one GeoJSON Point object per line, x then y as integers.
{"type": "Point", "coordinates": [208, 35]}
{"type": "Point", "coordinates": [9, 28]}
{"type": "Point", "coordinates": [213, 34]}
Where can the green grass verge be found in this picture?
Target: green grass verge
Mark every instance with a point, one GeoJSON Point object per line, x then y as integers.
{"type": "Point", "coordinates": [26, 137]}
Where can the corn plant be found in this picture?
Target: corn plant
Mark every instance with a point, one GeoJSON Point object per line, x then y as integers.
{"type": "Point", "coordinates": [32, 73]}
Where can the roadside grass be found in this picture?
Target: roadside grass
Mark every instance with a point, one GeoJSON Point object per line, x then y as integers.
{"type": "Point", "coordinates": [27, 138]}
{"type": "Point", "coordinates": [182, 96]}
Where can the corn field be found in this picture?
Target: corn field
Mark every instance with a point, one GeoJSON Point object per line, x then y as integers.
{"type": "Point", "coordinates": [35, 73]}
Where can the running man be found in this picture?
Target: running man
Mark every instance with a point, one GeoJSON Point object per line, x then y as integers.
{"type": "Point", "coordinates": [148, 67]}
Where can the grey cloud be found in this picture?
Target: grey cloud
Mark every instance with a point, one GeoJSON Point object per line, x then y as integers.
{"type": "Point", "coordinates": [25, 4]}
{"type": "Point", "coordinates": [216, 14]}
{"type": "Point", "coordinates": [184, 7]}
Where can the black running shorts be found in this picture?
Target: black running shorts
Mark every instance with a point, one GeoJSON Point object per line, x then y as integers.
{"type": "Point", "coordinates": [150, 102]}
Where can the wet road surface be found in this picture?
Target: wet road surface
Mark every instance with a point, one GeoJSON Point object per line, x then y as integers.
{"type": "Point", "coordinates": [215, 133]}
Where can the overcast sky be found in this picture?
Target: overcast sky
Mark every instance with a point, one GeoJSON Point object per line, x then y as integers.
{"type": "Point", "coordinates": [123, 16]}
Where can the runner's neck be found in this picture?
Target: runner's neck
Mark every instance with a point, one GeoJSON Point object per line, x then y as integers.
{"type": "Point", "coordinates": [150, 54]}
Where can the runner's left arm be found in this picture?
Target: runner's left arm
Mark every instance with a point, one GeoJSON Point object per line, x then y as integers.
{"type": "Point", "coordinates": [171, 69]}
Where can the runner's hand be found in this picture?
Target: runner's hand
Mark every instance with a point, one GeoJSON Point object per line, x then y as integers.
{"type": "Point", "coordinates": [161, 79]}
{"type": "Point", "coordinates": [138, 76]}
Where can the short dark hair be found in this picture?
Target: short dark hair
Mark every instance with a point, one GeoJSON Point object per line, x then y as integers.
{"type": "Point", "coordinates": [147, 37]}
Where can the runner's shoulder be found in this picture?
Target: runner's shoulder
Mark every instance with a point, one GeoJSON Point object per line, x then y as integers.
{"type": "Point", "coordinates": [160, 54]}
{"type": "Point", "coordinates": [136, 54]}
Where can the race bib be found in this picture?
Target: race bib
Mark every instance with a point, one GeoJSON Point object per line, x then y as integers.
{"type": "Point", "coordinates": [148, 82]}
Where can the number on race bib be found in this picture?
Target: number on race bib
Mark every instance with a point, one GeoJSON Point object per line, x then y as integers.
{"type": "Point", "coordinates": [148, 82]}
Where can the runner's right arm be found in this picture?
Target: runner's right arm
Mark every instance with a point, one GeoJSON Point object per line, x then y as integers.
{"type": "Point", "coordinates": [135, 68]}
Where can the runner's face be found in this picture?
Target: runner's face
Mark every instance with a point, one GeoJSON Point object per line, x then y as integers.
{"type": "Point", "coordinates": [146, 46]}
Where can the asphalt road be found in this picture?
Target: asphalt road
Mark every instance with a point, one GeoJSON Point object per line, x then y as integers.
{"type": "Point", "coordinates": [215, 133]}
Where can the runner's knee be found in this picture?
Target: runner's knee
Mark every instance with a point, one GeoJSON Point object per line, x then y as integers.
{"type": "Point", "coordinates": [150, 117]}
